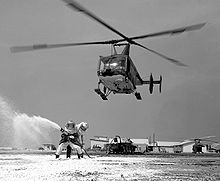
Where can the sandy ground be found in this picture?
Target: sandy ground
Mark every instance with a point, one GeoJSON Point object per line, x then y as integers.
{"type": "Point", "coordinates": [46, 167]}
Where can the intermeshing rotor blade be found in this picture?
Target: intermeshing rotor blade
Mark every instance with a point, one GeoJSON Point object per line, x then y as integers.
{"type": "Point", "coordinates": [167, 32]}
{"type": "Point", "coordinates": [202, 138]}
{"type": "Point", "coordinates": [207, 137]}
{"type": "Point", "coordinates": [76, 6]}
{"type": "Point", "coordinates": [161, 55]}
{"type": "Point", "coordinates": [16, 49]}
{"type": "Point", "coordinates": [171, 32]}
{"type": "Point", "coordinates": [73, 4]}
{"type": "Point", "coordinates": [207, 140]}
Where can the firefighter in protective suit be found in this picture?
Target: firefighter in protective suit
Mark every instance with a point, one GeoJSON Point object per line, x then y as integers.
{"type": "Point", "coordinates": [72, 138]}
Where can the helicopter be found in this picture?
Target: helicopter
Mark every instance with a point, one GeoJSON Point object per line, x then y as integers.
{"type": "Point", "coordinates": [199, 143]}
{"type": "Point", "coordinates": [117, 73]}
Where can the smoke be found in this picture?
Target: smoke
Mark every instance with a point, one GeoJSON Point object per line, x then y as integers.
{"type": "Point", "coordinates": [21, 130]}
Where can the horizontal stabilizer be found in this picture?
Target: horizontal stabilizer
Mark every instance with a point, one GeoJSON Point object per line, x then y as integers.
{"type": "Point", "coordinates": [152, 82]}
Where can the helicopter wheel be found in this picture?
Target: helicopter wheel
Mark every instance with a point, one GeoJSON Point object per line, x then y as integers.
{"type": "Point", "coordinates": [138, 96]}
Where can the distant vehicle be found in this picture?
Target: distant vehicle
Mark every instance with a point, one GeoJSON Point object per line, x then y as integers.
{"type": "Point", "coordinates": [96, 147]}
{"type": "Point", "coordinates": [117, 146]}
{"type": "Point", "coordinates": [47, 147]}
{"type": "Point", "coordinates": [215, 147]}
{"type": "Point", "coordinates": [117, 73]}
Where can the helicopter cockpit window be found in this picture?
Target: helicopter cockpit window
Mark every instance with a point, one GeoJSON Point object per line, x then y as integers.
{"type": "Point", "coordinates": [114, 66]}
{"type": "Point", "coordinates": [115, 63]}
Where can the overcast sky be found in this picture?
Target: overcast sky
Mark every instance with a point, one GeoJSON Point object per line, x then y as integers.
{"type": "Point", "coordinates": [58, 84]}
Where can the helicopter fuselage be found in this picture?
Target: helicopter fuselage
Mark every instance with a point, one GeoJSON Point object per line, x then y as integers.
{"type": "Point", "coordinates": [117, 84]}
{"type": "Point", "coordinates": [118, 75]}
{"type": "Point", "coordinates": [115, 74]}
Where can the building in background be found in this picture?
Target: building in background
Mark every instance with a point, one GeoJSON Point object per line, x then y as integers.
{"type": "Point", "coordinates": [47, 146]}
{"type": "Point", "coordinates": [6, 148]}
{"type": "Point", "coordinates": [141, 143]}
{"type": "Point", "coordinates": [164, 147]}
{"type": "Point", "coordinates": [154, 146]}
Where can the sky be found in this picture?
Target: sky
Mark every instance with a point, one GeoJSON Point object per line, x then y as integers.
{"type": "Point", "coordinates": [58, 84]}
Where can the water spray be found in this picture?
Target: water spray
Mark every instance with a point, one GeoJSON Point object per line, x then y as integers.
{"type": "Point", "coordinates": [23, 129]}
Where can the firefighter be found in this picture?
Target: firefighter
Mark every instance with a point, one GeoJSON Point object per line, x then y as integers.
{"type": "Point", "coordinates": [80, 129]}
{"type": "Point", "coordinates": [72, 135]}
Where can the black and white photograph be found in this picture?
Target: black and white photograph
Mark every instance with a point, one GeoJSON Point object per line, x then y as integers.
{"type": "Point", "coordinates": [120, 90]}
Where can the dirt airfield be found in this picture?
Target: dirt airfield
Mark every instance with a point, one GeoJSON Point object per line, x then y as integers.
{"type": "Point", "coordinates": [27, 167]}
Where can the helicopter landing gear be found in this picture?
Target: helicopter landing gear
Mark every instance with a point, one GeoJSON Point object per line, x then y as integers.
{"type": "Point", "coordinates": [99, 92]}
{"type": "Point", "coordinates": [138, 95]}
{"type": "Point", "coordinates": [105, 92]}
